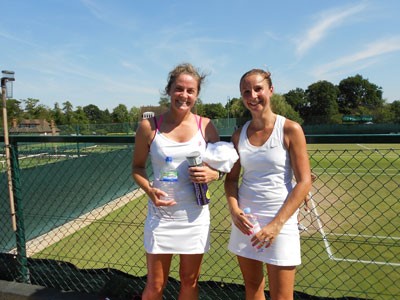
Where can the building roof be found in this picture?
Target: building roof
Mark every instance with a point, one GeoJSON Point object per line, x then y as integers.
{"type": "Point", "coordinates": [32, 126]}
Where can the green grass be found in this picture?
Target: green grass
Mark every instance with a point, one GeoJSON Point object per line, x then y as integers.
{"type": "Point", "coordinates": [356, 196]}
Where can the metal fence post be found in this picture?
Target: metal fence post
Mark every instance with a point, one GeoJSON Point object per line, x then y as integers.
{"type": "Point", "coordinates": [19, 213]}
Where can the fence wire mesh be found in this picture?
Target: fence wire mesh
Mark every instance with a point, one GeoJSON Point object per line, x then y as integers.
{"type": "Point", "coordinates": [80, 223]}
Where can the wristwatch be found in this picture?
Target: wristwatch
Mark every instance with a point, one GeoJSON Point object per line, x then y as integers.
{"type": "Point", "coordinates": [220, 175]}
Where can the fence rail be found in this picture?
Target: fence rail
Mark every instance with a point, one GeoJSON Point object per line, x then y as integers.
{"type": "Point", "coordinates": [80, 220]}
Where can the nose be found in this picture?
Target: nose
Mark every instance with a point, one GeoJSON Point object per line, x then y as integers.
{"type": "Point", "coordinates": [254, 94]}
{"type": "Point", "coordinates": [184, 94]}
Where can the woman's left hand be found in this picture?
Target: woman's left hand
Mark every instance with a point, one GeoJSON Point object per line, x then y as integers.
{"type": "Point", "coordinates": [265, 237]}
{"type": "Point", "coordinates": [203, 174]}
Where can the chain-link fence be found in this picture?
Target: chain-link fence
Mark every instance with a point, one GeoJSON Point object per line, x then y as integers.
{"type": "Point", "coordinates": [79, 220]}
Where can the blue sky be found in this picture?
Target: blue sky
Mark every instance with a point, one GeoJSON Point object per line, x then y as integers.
{"type": "Point", "coordinates": [110, 52]}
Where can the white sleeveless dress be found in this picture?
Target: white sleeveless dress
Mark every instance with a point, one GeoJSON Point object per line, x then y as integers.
{"type": "Point", "coordinates": [267, 181]}
{"type": "Point", "coordinates": [183, 228]}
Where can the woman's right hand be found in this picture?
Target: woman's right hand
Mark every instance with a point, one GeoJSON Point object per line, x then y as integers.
{"type": "Point", "coordinates": [155, 195]}
{"type": "Point", "coordinates": [241, 222]}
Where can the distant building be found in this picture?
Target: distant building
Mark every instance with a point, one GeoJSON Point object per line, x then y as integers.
{"type": "Point", "coordinates": [151, 111]}
{"type": "Point", "coordinates": [35, 126]}
{"type": "Point", "coordinates": [148, 114]}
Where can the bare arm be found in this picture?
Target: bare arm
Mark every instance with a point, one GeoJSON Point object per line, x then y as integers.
{"type": "Point", "coordinates": [232, 192]}
{"type": "Point", "coordinates": [296, 144]}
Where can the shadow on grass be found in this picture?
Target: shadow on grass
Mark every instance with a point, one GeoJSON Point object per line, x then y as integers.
{"type": "Point", "coordinates": [114, 284]}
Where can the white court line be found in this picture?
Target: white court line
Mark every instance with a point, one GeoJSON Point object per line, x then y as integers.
{"type": "Point", "coordinates": [365, 147]}
{"type": "Point", "coordinates": [379, 237]}
{"type": "Point", "coordinates": [328, 248]}
{"type": "Point", "coordinates": [320, 228]}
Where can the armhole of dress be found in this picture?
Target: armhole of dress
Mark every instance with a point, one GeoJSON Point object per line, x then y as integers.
{"type": "Point", "coordinates": [243, 135]}
{"type": "Point", "coordinates": [282, 131]}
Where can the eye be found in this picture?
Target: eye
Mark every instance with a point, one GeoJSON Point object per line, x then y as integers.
{"type": "Point", "coordinates": [191, 91]}
{"type": "Point", "coordinates": [245, 93]}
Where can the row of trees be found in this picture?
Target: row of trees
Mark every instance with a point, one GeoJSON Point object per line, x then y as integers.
{"type": "Point", "coordinates": [321, 103]}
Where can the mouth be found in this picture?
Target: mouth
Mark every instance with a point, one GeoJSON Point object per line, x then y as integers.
{"type": "Point", "coordinates": [254, 102]}
{"type": "Point", "coordinates": [183, 103]}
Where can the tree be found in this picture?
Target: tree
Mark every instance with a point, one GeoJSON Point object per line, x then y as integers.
{"type": "Point", "coordinates": [199, 107]}
{"type": "Point", "coordinates": [68, 112]}
{"type": "Point", "coordinates": [33, 110]}
{"type": "Point", "coordinates": [237, 109]}
{"type": "Point", "coordinates": [93, 113]}
{"type": "Point", "coordinates": [14, 109]}
{"type": "Point", "coordinates": [30, 107]}
{"type": "Point", "coordinates": [42, 112]}
{"type": "Point", "coordinates": [164, 102]}
{"type": "Point", "coordinates": [106, 116]}
{"type": "Point", "coordinates": [134, 114]}
{"type": "Point", "coordinates": [356, 92]}
{"type": "Point", "coordinates": [58, 115]}
{"type": "Point", "coordinates": [214, 111]}
{"type": "Point", "coordinates": [322, 96]}
{"type": "Point", "coordinates": [281, 107]}
{"type": "Point", "coordinates": [79, 116]}
{"type": "Point", "coordinates": [383, 114]}
{"type": "Point", "coordinates": [298, 100]}
{"type": "Point", "coordinates": [395, 109]}
{"type": "Point", "coordinates": [120, 114]}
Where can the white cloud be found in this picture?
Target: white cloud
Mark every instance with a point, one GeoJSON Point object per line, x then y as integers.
{"type": "Point", "coordinates": [15, 39]}
{"type": "Point", "coordinates": [326, 21]}
{"type": "Point", "coordinates": [95, 9]}
{"type": "Point", "coordinates": [361, 59]}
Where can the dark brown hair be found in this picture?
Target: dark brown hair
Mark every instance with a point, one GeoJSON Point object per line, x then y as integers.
{"type": "Point", "coordinates": [265, 74]}
{"type": "Point", "coordinates": [188, 69]}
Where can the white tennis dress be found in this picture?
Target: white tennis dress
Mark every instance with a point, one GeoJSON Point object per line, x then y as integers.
{"type": "Point", "coordinates": [267, 181]}
{"type": "Point", "coordinates": [183, 228]}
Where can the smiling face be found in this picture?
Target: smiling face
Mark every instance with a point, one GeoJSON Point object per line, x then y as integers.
{"type": "Point", "coordinates": [256, 92]}
{"type": "Point", "coordinates": [184, 92]}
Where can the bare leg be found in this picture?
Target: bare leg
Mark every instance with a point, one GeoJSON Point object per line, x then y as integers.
{"type": "Point", "coordinates": [281, 282]}
{"type": "Point", "coordinates": [157, 275]}
{"type": "Point", "coordinates": [253, 276]}
{"type": "Point", "coordinates": [189, 273]}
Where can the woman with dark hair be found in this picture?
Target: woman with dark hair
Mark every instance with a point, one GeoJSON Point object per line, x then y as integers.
{"type": "Point", "coordinates": [272, 149]}
{"type": "Point", "coordinates": [180, 226]}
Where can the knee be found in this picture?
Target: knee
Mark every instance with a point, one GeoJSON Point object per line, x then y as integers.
{"type": "Point", "coordinates": [255, 283]}
{"type": "Point", "coordinates": [189, 280]}
{"type": "Point", "coordinates": [153, 290]}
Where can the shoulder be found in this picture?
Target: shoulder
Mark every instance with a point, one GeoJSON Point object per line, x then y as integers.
{"type": "Point", "coordinates": [236, 136]}
{"type": "Point", "coordinates": [293, 133]}
{"type": "Point", "coordinates": [146, 129]}
{"type": "Point", "coordinates": [209, 130]}
{"type": "Point", "coordinates": [291, 127]}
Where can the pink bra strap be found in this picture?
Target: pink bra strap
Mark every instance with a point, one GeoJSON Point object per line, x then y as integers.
{"type": "Point", "coordinates": [198, 121]}
{"type": "Point", "coordinates": [156, 123]}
